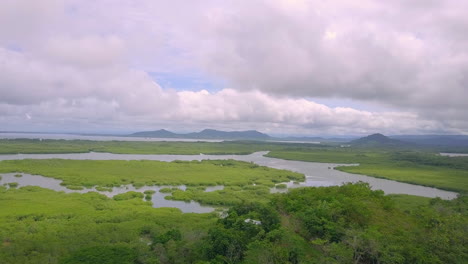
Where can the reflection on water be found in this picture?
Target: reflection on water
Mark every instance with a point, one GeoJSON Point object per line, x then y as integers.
{"type": "Point", "coordinates": [317, 174]}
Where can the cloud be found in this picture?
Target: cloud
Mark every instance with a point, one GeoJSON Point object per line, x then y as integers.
{"type": "Point", "coordinates": [403, 54]}
{"type": "Point", "coordinates": [66, 62]}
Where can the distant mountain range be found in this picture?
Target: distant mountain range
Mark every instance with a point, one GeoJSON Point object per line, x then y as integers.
{"type": "Point", "coordinates": [435, 140]}
{"type": "Point", "coordinates": [205, 134]}
{"type": "Point", "coordinates": [378, 140]}
{"type": "Point", "coordinates": [425, 141]}
{"type": "Point", "coordinates": [231, 135]}
{"type": "Point", "coordinates": [368, 141]}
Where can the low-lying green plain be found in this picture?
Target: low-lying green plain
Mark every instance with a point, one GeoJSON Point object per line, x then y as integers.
{"type": "Point", "coordinates": [418, 165]}
{"type": "Point", "coordinates": [339, 224]}
{"type": "Point", "coordinates": [411, 166]}
{"type": "Point", "coordinates": [108, 173]}
{"type": "Point", "coordinates": [36, 146]}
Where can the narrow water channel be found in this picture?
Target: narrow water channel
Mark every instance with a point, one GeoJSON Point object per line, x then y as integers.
{"type": "Point", "coordinates": [317, 174]}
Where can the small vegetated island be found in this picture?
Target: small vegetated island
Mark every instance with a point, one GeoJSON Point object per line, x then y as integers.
{"type": "Point", "coordinates": [339, 224]}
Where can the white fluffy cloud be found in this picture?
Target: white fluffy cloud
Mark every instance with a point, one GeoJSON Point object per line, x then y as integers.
{"type": "Point", "coordinates": [69, 63]}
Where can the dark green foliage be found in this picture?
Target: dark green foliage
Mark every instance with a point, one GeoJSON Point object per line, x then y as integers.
{"type": "Point", "coordinates": [281, 186]}
{"type": "Point", "coordinates": [172, 234]}
{"type": "Point", "coordinates": [229, 240]}
{"type": "Point", "coordinates": [43, 226]}
{"type": "Point", "coordinates": [341, 224]}
{"type": "Point", "coordinates": [352, 224]}
{"type": "Point", "coordinates": [103, 255]}
{"type": "Point", "coordinates": [12, 184]}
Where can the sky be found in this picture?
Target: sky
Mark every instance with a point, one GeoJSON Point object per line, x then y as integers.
{"type": "Point", "coordinates": [283, 67]}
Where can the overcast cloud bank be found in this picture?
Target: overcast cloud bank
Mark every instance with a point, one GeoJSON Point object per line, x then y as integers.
{"type": "Point", "coordinates": [68, 65]}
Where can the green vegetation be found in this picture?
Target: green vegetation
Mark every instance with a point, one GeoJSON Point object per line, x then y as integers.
{"type": "Point", "coordinates": [103, 189]}
{"type": "Point", "coordinates": [12, 184]}
{"type": "Point", "coordinates": [128, 196]}
{"type": "Point", "coordinates": [9, 146]}
{"type": "Point", "coordinates": [409, 202]}
{"type": "Point", "coordinates": [149, 194]}
{"type": "Point", "coordinates": [165, 190]}
{"type": "Point", "coordinates": [43, 226]}
{"type": "Point", "coordinates": [74, 187]}
{"type": "Point", "coordinates": [346, 224]}
{"type": "Point", "coordinates": [230, 195]}
{"type": "Point", "coordinates": [281, 186]}
{"type": "Point", "coordinates": [423, 168]}
{"type": "Point", "coordinates": [110, 173]}
{"type": "Point", "coordinates": [103, 255]}
{"type": "Point", "coordinates": [18, 175]}
{"type": "Point", "coordinates": [412, 164]}
{"type": "Point", "coordinates": [352, 224]}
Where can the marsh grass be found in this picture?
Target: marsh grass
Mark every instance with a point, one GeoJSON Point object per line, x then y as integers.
{"type": "Point", "coordinates": [15, 146]}
{"type": "Point", "coordinates": [103, 189]}
{"type": "Point", "coordinates": [108, 173]}
{"type": "Point", "coordinates": [12, 184]}
{"type": "Point", "coordinates": [281, 186]}
{"type": "Point", "coordinates": [412, 166]}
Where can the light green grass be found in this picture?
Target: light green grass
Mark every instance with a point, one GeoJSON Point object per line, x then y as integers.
{"type": "Point", "coordinates": [42, 226]}
{"type": "Point", "coordinates": [108, 173]}
{"type": "Point", "coordinates": [432, 176]}
{"type": "Point", "coordinates": [417, 167]}
{"type": "Point", "coordinates": [407, 202]}
{"type": "Point", "coordinates": [8, 146]}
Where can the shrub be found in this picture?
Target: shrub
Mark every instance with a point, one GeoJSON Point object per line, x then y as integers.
{"type": "Point", "coordinates": [281, 186]}
{"type": "Point", "coordinates": [13, 184]}
{"type": "Point", "coordinates": [128, 196]}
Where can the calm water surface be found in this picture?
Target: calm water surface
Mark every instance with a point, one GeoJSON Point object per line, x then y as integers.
{"type": "Point", "coordinates": [317, 174]}
{"type": "Point", "coordinates": [157, 198]}
{"type": "Point", "coordinates": [454, 154]}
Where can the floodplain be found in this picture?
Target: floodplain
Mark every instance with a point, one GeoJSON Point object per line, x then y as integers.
{"type": "Point", "coordinates": [334, 224]}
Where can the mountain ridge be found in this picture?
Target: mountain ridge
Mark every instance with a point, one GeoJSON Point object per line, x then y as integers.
{"type": "Point", "coordinates": [377, 140]}
{"type": "Point", "coordinates": [204, 134]}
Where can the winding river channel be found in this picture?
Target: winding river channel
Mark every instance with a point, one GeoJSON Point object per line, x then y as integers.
{"type": "Point", "coordinates": [317, 174]}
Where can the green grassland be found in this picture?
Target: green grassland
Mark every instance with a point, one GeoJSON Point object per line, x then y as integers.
{"type": "Point", "coordinates": [408, 202]}
{"type": "Point", "coordinates": [433, 176]}
{"type": "Point", "coordinates": [339, 224]}
{"type": "Point", "coordinates": [345, 224]}
{"type": "Point", "coordinates": [108, 173]}
{"type": "Point", "coordinates": [9, 146]}
{"type": "Point", "coordinates": [418, 167]}
{"type": "Point", "coordinates": [414, 165]}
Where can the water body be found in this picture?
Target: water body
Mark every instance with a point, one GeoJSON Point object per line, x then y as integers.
{"type": "Point", "coordinates": [157, 198]}
{"type": "Point", "coordinates": [454, 154]}
{"type": "Point", "coordinates": [4, 135]}
{"type": "Point", "coordinates": [317, 174]}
